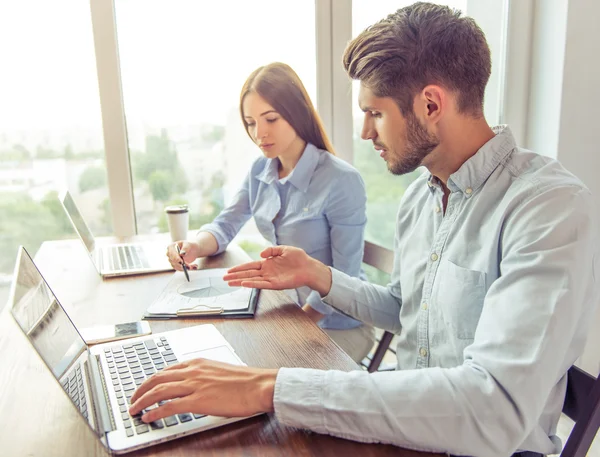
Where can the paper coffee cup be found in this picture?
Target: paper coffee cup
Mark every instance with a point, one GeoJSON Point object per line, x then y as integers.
{"type": "Point", "coordinates": [178, 218]}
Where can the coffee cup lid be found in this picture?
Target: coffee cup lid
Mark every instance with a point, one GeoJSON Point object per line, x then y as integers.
{"type": "Point", "coordinates": [175, 209]}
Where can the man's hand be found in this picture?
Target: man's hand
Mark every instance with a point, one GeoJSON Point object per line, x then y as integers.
{"type": "Point", "coordinates": [283, 267]}
{"type": "Point", "coordinates": [204, 386]}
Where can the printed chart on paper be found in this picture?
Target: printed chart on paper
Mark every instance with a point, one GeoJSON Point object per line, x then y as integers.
{"type": "Point", "coordinates": [205, 290]}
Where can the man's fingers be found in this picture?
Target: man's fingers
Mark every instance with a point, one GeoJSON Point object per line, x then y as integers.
{"type": "Point", "coordinates": [257, 284]}
{"type": "Point", "coordinates": [169, 408]}
{"type": "Point", "coordinates": [242, 275]}
{"type": "Point", "coordinates": [242, 282]}
{"type": "Point", "coordinates": [246, 266]}
{"type": "Point", "coordinates": [169, 374]}
{"type": "Point", "coordinates": [164, 391]}
{"type": "Point", "coordinates": [271, 251]}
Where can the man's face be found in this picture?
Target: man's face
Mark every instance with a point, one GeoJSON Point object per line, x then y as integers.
{"type": "Point", "coordinates": [401, 141]}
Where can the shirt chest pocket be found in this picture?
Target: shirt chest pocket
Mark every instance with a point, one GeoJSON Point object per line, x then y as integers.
{"type": "Point", "coordinates": [460, 295]}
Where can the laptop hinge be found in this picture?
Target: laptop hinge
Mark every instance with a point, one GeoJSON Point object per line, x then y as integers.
{"type": "Point", "coordinates": [103, 411]}
{"type": "Point", "coordinates": [99, 259]}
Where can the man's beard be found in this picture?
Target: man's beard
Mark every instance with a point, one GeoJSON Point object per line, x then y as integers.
{"type": "Point", "coordinates": [419, 143]}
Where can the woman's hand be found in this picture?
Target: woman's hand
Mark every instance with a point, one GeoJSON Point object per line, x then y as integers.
{"type": "Point", "coordinates": [189, 253]}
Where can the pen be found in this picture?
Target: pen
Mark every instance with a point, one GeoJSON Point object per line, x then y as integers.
{"type": "Point", "coordinates": [185, 268]}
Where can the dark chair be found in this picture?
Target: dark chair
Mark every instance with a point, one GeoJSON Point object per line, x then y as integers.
{"type": "Point", "coordinates": [582, 404]}
{"type": "Point", "coordinates": [382, 259]}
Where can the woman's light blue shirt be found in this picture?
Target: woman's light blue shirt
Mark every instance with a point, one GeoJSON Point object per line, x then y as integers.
{"type": "Point", "coordinates": [319, 207]}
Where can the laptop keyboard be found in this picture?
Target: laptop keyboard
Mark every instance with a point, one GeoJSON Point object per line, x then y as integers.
{"type": "Point", "coordinates": [129, 365]}
{"type": "Point", "coordinates": [73, 385]}
{"type": "Point", "coordinates": [127, 257]}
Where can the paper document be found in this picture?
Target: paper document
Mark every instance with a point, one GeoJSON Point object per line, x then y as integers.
{"type": "Point", "coordinates": [205, 293]}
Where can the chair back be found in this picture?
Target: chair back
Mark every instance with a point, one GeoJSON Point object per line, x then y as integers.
{"type": "Point", "coordinates": [378, 257]}
{"type": "Point", "coordinates": [582, 404]}
{"type": "Point", "coordinates": [382, 259]}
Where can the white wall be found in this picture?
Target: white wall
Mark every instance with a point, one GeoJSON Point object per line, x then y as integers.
{"type": "Point", "coordinates": [564, 101]}
{"type": "Point", "coordinates": [547, 64]}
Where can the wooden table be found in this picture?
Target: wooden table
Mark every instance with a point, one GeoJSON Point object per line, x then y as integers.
{"type": "Point", "coordinates": [39, 420]}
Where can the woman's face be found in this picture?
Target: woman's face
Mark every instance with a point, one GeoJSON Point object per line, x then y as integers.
{"type": "Point", "coordinates": [269, 130]}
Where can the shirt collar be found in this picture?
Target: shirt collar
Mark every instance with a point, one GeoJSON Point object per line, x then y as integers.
{"type": "Point", "coordinates": [477, 169]}
{"type": "Point", "coordinates": [301, 174]}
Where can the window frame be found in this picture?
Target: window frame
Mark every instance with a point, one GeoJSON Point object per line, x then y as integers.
{"type": "Point", "coordinates": [334, 88]}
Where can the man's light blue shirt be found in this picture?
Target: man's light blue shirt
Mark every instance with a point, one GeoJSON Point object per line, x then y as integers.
{"type": "Point", "coordinates": [319, 207]}
{"type": "Point", "coordinates": [492, 302]}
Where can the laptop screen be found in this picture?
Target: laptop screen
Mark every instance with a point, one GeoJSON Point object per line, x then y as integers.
{"type": "Point", "coordinates": [42, 318]}
{"type": "Point", "coordinates": [77, 220]}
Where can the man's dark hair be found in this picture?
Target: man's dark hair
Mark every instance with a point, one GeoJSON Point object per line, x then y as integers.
{"type": "Point", "coordinates": [418, 45]}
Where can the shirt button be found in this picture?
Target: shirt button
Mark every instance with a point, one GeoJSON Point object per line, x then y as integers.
{"type": "Point", "coordinates": [468, 191]}
{"type": "Point", "coordinates": [437, 209]}
{"type": "Point", "coordinates": [424, 306]}
{"type": "Point", "coordinates": [423, 352]}
{"type": "Point", "coordinates": [434, 256]}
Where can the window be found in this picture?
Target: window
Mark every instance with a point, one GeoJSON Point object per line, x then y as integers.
{"type": "Point", "coordinates": [183, 64]}
{"type": "Point", "coordinates": [384, 190]}
{"type": "Point", "coordinates": [50, 126]}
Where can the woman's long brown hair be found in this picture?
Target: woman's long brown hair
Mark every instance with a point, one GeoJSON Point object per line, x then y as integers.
{"type": "Point", "coordinates": [281, 88]}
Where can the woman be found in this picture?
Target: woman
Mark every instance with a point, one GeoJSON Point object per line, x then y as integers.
{"type": "Point", "coordinates": [299, 194]}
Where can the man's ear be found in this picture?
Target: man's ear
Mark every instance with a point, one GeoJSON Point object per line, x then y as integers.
{"type": "Point", "coordinates": [432, 101]}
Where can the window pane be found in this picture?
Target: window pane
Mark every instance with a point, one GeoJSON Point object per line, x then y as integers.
{"type": "Point", "coordinates": [183, 64]}
{"type": "Point", "coordinates": [50, 126]}
{"type": "Point", "coordinates": [384, 190]}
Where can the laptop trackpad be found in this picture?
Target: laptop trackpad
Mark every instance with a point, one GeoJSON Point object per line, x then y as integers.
{"type": "Point", "coordinates": [219, 353]}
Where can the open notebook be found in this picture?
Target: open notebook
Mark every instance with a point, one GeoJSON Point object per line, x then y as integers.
{"type": "Point", "coordinates": [205, 294]}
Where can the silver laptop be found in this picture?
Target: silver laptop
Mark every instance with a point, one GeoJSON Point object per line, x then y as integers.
{"type": "Point", "coordinates": [116, 259]}
{"type": "Point", "coordinates": [101, 379]}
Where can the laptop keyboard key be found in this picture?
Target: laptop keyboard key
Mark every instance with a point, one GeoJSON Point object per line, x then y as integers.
{"type": "Point", "coordinates": [129, 432]}
{"type": "Point", "coordinates": [141, 429]}
{"type": "Point", "coordinates": [171, 420]}
{"type": "Point", "coordinates": [185, 417]}
{"type": "Point", "coordinates": [156, 425]}
{"type": "Point", "coordinates": [150, 344]}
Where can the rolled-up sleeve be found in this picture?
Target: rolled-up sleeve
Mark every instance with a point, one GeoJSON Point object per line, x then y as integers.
{"type": "Point", "coordinates": [369, 303]}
